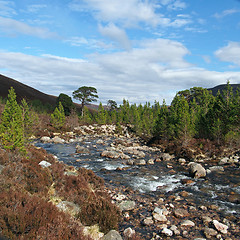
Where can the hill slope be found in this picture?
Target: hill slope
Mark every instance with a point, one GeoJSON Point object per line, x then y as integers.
{"type": "Point", "coordinates": [221, 88]}
{"type": "Point", "coordinates": [24, 91]}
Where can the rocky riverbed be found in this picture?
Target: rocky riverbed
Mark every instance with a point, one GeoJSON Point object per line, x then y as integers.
{"type": "Point", "coordinates": [160, 196]}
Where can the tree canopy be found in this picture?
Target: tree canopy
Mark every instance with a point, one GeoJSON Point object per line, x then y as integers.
{"type": "Point", "coordinates": [85, 95]}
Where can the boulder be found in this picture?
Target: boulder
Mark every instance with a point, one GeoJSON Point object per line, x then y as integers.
{"type": "Point", "coordinates": [210, 232]}
{"type": "Point", "coordinates": [44, 164]}
{"type": "Point", "coordinates": [180, 213]}
{"type": "Point", "coordinates": [58, 140]}
{"type": "Point", "coordinates": [187, 223]}
{"type": "Point", "coordinates": [81, 149]}
{"type": "Point", "coordinates": [45, 139]}
{"type": "Point", "coordinates": [148, 221]}
{"type": "Point", "coordinates": [216, 169]}
{"type": "Point", "coordinates": [110, 154]}
{"type": "Point", "coordinates": [167, 232]}
{"type": "Point", "coordinates": [112, 235]}
{"type": "Point", "coordinates": [159, 217]}
{"type": "Point", "coordinates": [196, 170]}
{"type": "Point", "coordinates": [220, 226]}
{"type": "Point", "coordinates": [126, 205]}
{"type": "Point", "coordinates": [139, 162]}
{"type": "Point", "coordinates": [129, 233]}
{"type": "Point", "coordinates": [223, 161]}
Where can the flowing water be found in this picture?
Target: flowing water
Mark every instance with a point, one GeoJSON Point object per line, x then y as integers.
{"type": "Point", "coordinates": [153, 180]}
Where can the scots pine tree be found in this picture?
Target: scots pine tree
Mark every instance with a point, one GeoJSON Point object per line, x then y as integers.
{"type": "Point", "coordinates": [12, 135]}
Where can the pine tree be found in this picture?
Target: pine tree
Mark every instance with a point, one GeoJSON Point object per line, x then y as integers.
{"type": "Point", "coordinates": [101, 117]}
{"type": "Point", "coordinates": [12, 125]}
{"type": "Point", "coordinates": [58, 117]}
{"type": "Point", "coordinates": [181, 119]}
{"type": "Point", "coordinates": [161, 128]}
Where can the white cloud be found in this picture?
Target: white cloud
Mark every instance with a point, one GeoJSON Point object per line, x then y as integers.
{"type": "Point", "coordinates": [14, 27]}
{"type": "Point", "coordinates": [7, 8]}
{"type": "Point", "coordinates": [226, 13]}
{"type": "Point", "coordinates": [155, 70]}
{"type": "Point", "coordinates": [230, 53]}
{"type": "Point", "coordinates": [127, 12]}
{"type": "Point", "coordinates": [114, 33]}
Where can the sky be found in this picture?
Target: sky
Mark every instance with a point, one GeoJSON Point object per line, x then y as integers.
{"type": "Point", "coordinates": [138, 50]}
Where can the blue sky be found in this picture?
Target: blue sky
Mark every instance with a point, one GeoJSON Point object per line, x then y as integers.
{"type": "Point", "coordinates": [140, 50]}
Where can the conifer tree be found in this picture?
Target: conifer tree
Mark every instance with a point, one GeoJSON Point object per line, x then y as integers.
{"type": "Point", "coordinates": [181, 121]}
{"type": "Point", "coordinates": [58, 117]}
{"type": "Point", "coordinates": [87, 117]}
{"type": "Point", "coordinates": [12, 124]}
{"type": "Point", "coordinates": [161, 125]}
{"type": "Point", "coordinates": [101, 117]}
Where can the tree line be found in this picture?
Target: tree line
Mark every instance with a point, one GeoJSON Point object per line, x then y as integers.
{"type": "Point", "coordinates": [193, 114]}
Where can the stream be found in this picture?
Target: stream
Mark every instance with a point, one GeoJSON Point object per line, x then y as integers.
{"type": "Point", "coordinates": [163, 178]}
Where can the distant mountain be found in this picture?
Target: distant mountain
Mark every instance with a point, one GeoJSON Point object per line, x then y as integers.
{"type": "Point", "coordinates": [222, 87]}
{"type": "Point", "coordinates": [24, 91]}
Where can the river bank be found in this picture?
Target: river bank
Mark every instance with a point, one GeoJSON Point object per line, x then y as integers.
{"type": "Point", "coordinates": [154, 190]}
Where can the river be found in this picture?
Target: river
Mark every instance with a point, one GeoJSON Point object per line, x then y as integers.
{"type": "Point", "coordinates": [163, 178]}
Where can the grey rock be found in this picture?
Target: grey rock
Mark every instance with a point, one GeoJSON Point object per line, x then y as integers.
{"type": "Point", "coordinates": [180, 213]}
{"type": "Point", "coordinates": [210, 232]}
{"type": "Point", "coordinates": [110, 154]}
{"type": "Point", "coordinates": [196, 170]}
{"type": "Point", "coordinates": [223, 161]}
{"type": "Point", "coordinates": [159, 217]}
{"type": "Point", "coordinates": [112, 235]}
{"type": "Point", "coordinates": [45, 139]}
{"type": "Point", "coordinates": [129, 233]}
{"type": "Point", "coordinates": [127, 205]}
{"type": "Point", "coordinates": [167, 232]}
{"type": "Point", "coordinates": [220, 226]}
{"type": "Point", "coordinates": [216, 169]}
{"type": "Point", "coordinates": [81, 149]}
{"type": "Point", "coordinates": [44, 164]}
{"type": "Point", "coordinates": [139, 162]}
{"type": "Point", "coordinates": [148, 221]}
{"type": "Point", "coordinates": [188, 223]}
{"type": "Point", "coordinates": [58, 140]}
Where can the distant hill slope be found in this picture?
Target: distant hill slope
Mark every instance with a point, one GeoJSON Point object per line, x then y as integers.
{"type": "Point", "coordinates": [30, 94]}
{"type": "Point", "coordinates": [221, 88]}
{"type": "Point", "coordinates": [24, 91]}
